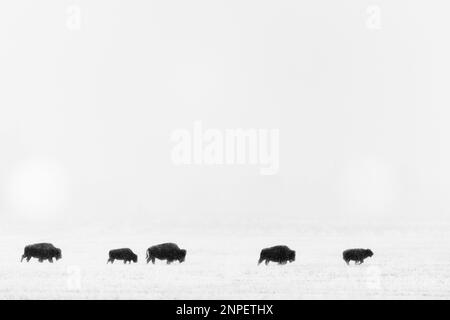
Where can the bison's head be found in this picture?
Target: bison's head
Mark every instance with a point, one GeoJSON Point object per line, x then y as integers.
{"type": "Point", "coordinates": [135, 257]}
{"type": "Point", "coordinates": [291, 256]}
{"type": "Point", "coordinates": [58, 254]}
{"type": "Point", "coordinates": [182, 255]}
{"type": "Point", "coordinates": [369, 252]}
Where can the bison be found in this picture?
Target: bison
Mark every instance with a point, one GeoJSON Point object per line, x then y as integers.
{"type": "Point", "coordinates": [41, 251]}
{"type": "Point", "coordinates": [279, 254]}
{"type": "Point", "coordinates": [166, 251]}
{"type": "Point", "coordinates": [124, 254]}
{"type": "Point", "coordinates": [357, 255]}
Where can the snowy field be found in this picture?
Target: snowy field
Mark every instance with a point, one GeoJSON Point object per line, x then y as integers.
{"type": "Point", "coordinates": [222, 259]}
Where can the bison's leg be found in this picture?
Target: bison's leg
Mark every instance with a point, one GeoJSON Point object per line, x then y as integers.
{"type": "Point", "coordinates": [23, 257]}
{"type": "Point", "coordinates": [153, 260]}
{"type": "Point", "coordinates": [169, 261]}
{"type": "Point", "coordinates": [266, 262]}
{"type": "Point", "coordinates": [260, 260]}
{"type": "Point", "coordinates": [124, 261]}
{"type": "Point", "coordinates": [41, 260]}
{"type": "Point", "coordinates": [28, 259]}
{"type": "Point", "coordinates": [50, 260]}
{"type": "Point", "coordinates": [110, 260]}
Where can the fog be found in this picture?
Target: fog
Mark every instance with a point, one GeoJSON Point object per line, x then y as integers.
{"type": "Point", "coordinates": [91, 92]}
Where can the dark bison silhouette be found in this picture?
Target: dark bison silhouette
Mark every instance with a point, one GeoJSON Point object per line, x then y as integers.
{"type": "Point", "coordinates": [279, 254]}
{"type": "Point", "coordinates": [41, 251]}
{"type": "Point", "coordinates": [357, 255]}
{"type": "Point", "coordinates": [124, 254]}
{"type": "Point", "coordinates": [166, 251]}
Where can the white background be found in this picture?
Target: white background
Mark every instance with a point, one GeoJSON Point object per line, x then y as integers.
{"type": "Point", "coordinates": [86, 114]}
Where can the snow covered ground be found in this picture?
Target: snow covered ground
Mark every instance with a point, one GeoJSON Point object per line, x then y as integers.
{"type": "Point", "coordinates": [410, 262]}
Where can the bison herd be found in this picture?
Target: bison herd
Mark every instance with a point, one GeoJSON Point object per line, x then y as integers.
{"type": "Point", "coordinates": [171, 252]}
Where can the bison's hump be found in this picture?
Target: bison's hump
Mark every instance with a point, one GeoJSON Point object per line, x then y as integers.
{"type": "Point", "coordinates": [121, 250]}
{"type": "Point", "coordinates": [281, 247]}
{"type": "Point", "coordinates": [167, 246]}
{"type": "Point", "coordinates": [42, 245]}
{"type": "Point", "coordinates": [355, 250]}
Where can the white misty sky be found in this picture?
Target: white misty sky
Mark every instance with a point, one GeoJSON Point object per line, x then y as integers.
{"type": "Point", "coordinates": [86, 115]}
